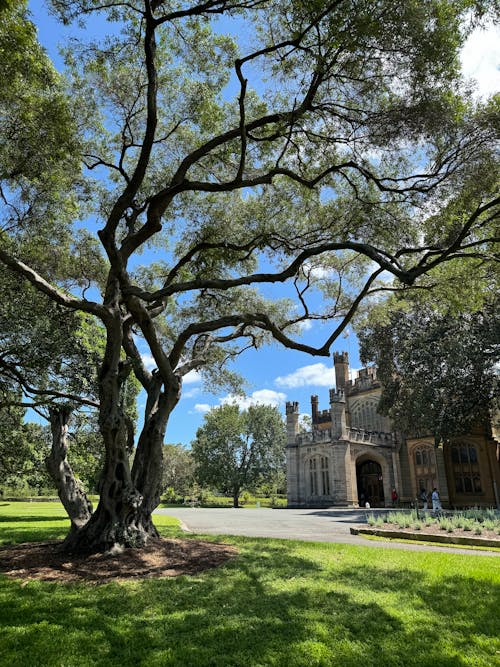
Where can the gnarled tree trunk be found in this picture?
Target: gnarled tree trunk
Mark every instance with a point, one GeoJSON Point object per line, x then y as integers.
{"type": "Point", "coordinates": [148, 461]}
{"type": "Point", "coordinates": [69, 489]}
{"type": "Point", "coordinates": [117, 521]}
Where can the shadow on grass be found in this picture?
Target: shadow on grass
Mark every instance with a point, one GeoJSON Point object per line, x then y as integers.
{"type": "Point", "coordinates": [30, 519]}
{"type": "Point", "coordinates": [269, 606]}
{"type": "Point", "coordinates": [10, 535]}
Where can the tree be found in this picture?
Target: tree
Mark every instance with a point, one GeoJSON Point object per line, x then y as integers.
{"type": "Point", "coordinates": [23, 448]}
{"type": "Point", "coordinates": [236, 450]}
{"type": "Point", "coordinates": [439, 370]}
{"type": "Point", "coordinates": [178, 469]}
{"type": "Point", "coordinates": [360, 157]}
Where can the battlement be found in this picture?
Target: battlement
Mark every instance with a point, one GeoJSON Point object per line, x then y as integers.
{"type": "Point", "coordinates": [366, 379]}
{"type": "Point", "coordinates": [337, 396]}
{"type": "Point", "coordinates": [340, 357]}
{"type": "Point", "coordinates": [353, 435]}
{"type": "Point", "coordinates": [292, 407]}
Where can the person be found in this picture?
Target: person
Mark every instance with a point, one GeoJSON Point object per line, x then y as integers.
{"type": "Point", "coordinates": [436, 501]}
{"type": "Point", "coordinates": [394, 496]}
{"type": "Point", "coordinates": [423, 498]}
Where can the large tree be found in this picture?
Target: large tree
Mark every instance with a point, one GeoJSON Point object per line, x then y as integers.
{"type": "Point", "coordinates": [438, 367]}
{"type": "Point", "coordinates": [236, 450]}
{"type": "Point", "coordinates": [330, 146]}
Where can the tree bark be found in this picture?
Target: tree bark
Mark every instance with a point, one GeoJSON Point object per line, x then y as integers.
{"type": "Point", "coordinates": [69, 489]}
{"type": "Point", "coordinates": [147, 470]}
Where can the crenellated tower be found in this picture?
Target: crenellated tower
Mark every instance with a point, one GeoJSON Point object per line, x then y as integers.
{"type": "Point", "coordinates": [338, 413]}
{"type": "Point", "coordinates": [341, 365]}
{"type": "Point", "coordinates": [292, 420]}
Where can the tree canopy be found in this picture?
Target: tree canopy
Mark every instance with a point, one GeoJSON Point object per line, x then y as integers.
{"type": "Point", "coordinates": [236, 450]}
{"type": "Point", "coordinates": [438, 365]}
{"type": "Point", "coordinates": [334, 146]}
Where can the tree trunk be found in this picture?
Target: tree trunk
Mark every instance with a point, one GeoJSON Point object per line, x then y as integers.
{"type": "Point", "coordinates": [147, 470]}
{"type": "Point", "coordinates": [118, 521]}
{"type": "Point", "coordinates": [69, 489]}
{"type": "Point", "coordinates": [236, 497]}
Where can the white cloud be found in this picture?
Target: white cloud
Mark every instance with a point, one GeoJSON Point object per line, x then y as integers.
{"type": "Point", "coordinates": [317, 271]}
{"type": "Point", "coordinates": [318, 375]}
{"type": "Point", "coordinates": [202, 407]}
{"type": "Point", "coordinates": [191, 393]}
{"type": "Point", "coordinates": [191, 377]}
{"type": "Point", "coordinates": [481, 59]}
{"type": "Point", "coordinates": [259, 397]}
{"type": "Point", "coordinates": [148, 361]}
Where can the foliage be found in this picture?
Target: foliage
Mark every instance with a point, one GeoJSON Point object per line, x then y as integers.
{"type": "Point", "coordinates": [236, 450]}
{"type": "Point", "coordinates": [23, 448]}
{"type": "Point", "coordinates": [280, 602]}
{"type": "Point", "coordinates": [337, 145]}
{"type": "Point", "coordinates": [178, 469]}
{"type": "Point", "coordinates": [469, 520]}
{"type": "Point", "coordinates": [438, 369]}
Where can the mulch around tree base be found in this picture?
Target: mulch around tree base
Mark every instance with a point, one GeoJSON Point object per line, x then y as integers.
{"type": "Point", "coordinates": [160, 558]}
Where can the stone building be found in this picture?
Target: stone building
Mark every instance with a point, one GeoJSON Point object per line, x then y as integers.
{"type": "Point", "coordinates": [352, 454]}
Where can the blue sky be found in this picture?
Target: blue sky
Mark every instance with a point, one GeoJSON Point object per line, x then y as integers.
{"type": "Point", "coordinates": [276, 375]}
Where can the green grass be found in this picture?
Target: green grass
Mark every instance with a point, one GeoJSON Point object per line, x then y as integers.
{"type": "Point", "coordinates": [279, 603]}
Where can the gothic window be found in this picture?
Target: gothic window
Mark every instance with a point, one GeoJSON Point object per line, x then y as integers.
{"type": "Point", "coordinates": [425, 467]}
{"type": "Point", "coordinates": [313, 477]}
{"type": "Point", "coordinates": [319, 476]}
{"type": "Point", "coordinates": [424, 456]}
{"type": "Point", "coordinates": [325, 476]}
{"type": "Point", "coordinates": [466, 468]}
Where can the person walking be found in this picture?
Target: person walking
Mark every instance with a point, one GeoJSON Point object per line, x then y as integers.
{"type": "Point", "coordinates": [423, 498]}
{"type": "Point", "coordinates": [436, 500]}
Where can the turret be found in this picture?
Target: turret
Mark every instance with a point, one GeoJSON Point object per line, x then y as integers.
{"type": "Point", "coordinates": [338, 413]}
{"type": "Point", "coordinates": [341, 365]}
{"type": "Point", "coordinates": [314, 409]}
{"type": "Point", "coordinates": [292, 420]}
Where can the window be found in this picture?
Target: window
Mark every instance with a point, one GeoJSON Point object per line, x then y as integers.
{"type": "Point", "coordinates": [313, 477]}
{"type": "Point", "coordinates": [425, 467]}
{"type": "Point", "coordinates": [325, 476]}
{"type": "Point", "coordinates": [466, 468]}
{"type": "Point", "coordinates": [319, 476]}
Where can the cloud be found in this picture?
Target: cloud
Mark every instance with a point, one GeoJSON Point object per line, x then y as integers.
{"type": "Point", "coordinates": [314, 375]}
{"type": "Point", "coordinates": [317, 271]}
{"type": "Point", "coordinates": [202, 408]}
{"type": "Point", "coordinates": [148, 361]}
{"type": "Point", "coordinates": [259, 397]}
{"type": "Point", "coordinates": [191, 377]}
{"type": "Point", "coordinates": [191, 393]}
{"type": "Point", "coordinates": [481, 59]}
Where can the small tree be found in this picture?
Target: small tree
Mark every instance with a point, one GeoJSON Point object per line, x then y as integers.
{"type": "Point", "coordinates": [236, 450]}
{"type": "Point", "coordinates": [178, 469]}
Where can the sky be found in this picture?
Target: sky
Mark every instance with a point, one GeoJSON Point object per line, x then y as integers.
{"type": "Point", "coordinates": [274, 374]}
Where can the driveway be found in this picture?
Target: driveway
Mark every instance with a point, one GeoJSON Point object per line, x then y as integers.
{"type": "Point", "coordinates": [312, 525]}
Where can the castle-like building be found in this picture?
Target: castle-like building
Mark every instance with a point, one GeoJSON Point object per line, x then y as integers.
{"type": "Point", "coordinates": [353, 455]}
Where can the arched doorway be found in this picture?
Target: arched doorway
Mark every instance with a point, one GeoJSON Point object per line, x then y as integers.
{"type": "Point", "coordinates": [370, 484]}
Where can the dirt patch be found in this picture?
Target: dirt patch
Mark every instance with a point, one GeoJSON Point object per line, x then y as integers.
{"type": "Point", "coordinates": [160, 558]}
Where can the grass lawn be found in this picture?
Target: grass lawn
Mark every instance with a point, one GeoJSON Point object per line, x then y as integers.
{"type": "Point", "coordinates": [278, 603]}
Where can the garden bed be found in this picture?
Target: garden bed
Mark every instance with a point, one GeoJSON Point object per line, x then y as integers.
{"type": "Point", "coordinates": [472, 527]}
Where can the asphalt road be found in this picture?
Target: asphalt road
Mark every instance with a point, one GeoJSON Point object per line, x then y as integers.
{"type": "Point", "coordinates": [312, 525]}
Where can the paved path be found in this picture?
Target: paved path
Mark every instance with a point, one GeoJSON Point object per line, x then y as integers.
{"type": "Point", "coordinates": [313, 525]}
